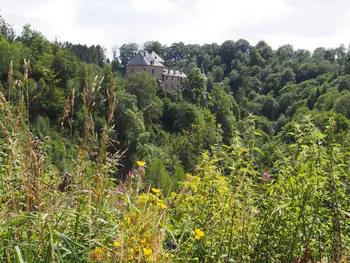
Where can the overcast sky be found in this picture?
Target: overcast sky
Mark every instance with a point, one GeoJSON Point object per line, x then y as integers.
{"type": "Point", "coordinates": [303, 23]}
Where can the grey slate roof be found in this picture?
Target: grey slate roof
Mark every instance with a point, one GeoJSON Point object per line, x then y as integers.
{"type": "Point", "coordinates": [174, 73]}
{"type": "Point", "coordinates": [144, 58]}
{"type": "Point", "coordinates": [157, 57]}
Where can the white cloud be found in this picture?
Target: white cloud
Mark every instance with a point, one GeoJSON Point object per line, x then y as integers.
{"type": "Point", "coordinates": [152, 6]}
{"type": "Point", "coordinates": [303, 23]}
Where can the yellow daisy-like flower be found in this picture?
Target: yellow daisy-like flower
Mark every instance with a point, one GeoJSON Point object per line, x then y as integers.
{"type": "Point", "coordinates": [155, 190]}
{"type": "Point", "coordinates": [162, 205]}
{"type": "Point", "coordinates": [198, 234]}
{"type": "Point", "coordinates": [147, 251]}
{"type": "Point", "coordinates": [117, 244]}
{"type": "Point", "coordinates": [128, 219]}
{"type": "Point", "coordinates": [140, 163]}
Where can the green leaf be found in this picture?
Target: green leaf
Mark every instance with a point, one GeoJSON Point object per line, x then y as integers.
{"type": "Point", "coordinates": [257, 133]}
{"type": "Point", "coordinates": [68, 242]}
{"type": "Point", "coordinates": [19, 258]}
{"type": "Point", "coordinates": [259, 151]}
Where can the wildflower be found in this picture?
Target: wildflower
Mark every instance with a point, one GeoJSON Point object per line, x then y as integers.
{"type": "Point", "coordinates": [120, 188]}
{"type": "Point", "coordinates": [155, 190]}
{"type": "Point", "coordinates": [128, 219]}
{"type": "Point", "coordinates": [97, 254]}
{"type": "Point", "coordinates": [142, 200]}
{"type": "Point", "coordinates": [140, 163]}
{"type": "Point", "coordinates": [224, 188]}
{"type": "Point", "coordinates": [266, 176]}
{"type": "Point", "coordinates": [140, 170]}
{"type": "Point", "coordinates": [162, 205]}
{"type": "Point", "coordinates": [117, 244]}
{"type": "Point", "coordinates": [147, 251]}
{"type": "Point", "coordinates": [198, 234]}
{"type": "Point", "coordinates": [130, 174]}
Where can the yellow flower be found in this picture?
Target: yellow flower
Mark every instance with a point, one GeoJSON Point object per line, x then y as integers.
{"type": "Point", "coordinates": [128, 219]}
{"type": "Point", "coordinates": [140, 163]}
{"type": "Point", "coordinates": [155, 190]}
{"type": "Point", "coordinates": [147, 252]}
{"type": "Point", "coordinates": [198, 234]}
{"type": "Point", "coordinates": [162, 205]}
{"type": "Point", "coordinates": [117, 244]}
{"type": "Point", "coordinates": [97, 254]}
{"type": "Point", "coordinates": [224, 188]}
{"type": "Point", "coordinates": [143, 198]}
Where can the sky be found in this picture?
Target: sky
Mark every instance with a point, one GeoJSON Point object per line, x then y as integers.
{"type": "Point", "coordinates": [305, 24]}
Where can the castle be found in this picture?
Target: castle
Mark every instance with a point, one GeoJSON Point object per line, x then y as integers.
{"type": "Point", "coordinates": [153, 64]}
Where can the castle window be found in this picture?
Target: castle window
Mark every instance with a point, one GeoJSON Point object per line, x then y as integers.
{"type": "Point", "coordinates": [144, 69]}
{"type": "Point", "coordinates": [153, 72]}
{"type": "Point", "coordinates": [132, 70]}
{"type": "Point", "coordinates": [166, 85]}
{"type": "Point", "coordinates": [172, 86]}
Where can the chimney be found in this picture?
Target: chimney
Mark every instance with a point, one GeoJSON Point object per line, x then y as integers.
{"type": "Point", "coordinates": [174, 72]}
{"type": "Point", "coordinates": [181, 71]}
{"type": "Point", "coordinates": [168, 70]}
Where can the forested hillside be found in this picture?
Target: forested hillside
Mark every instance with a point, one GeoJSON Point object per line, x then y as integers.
{"type": "Point", "coordinates": [247, 164]}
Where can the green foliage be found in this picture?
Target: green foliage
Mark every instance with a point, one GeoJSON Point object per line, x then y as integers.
{"type": "Point", "coordinates": [197, 87]}
{"type": "Point", "coordinates": [127, 52]}
{"type": "Point", "coordinates": [342, 105]}
{"type": "Point", "coordinates": [158, 176]}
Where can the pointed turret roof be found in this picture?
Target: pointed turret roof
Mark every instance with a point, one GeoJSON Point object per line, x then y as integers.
{"type": "Point", "coordinates": [143, 58]}
{"type": "Point", "coordinates": [157, 57]}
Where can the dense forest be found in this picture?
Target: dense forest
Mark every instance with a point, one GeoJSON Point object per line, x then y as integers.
{"type": "Point", "coordinates": [248, 164]}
